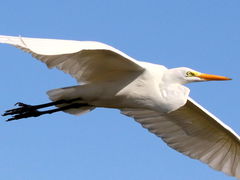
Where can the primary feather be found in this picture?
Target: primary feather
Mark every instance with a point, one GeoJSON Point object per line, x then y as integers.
{"type": "Point", "coordinates": [87, 61]}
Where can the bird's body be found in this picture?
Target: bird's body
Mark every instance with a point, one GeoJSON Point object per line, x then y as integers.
{"type": "Point", "coordinates": [152, 94]}
{"type": "Point", "coordinates": [129, 90]}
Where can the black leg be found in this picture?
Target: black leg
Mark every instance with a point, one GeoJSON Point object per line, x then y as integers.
{"type": "Point", "coordinates": [25, 107]}
{"type": "Point", "coordinates": [25, 110]}
{"type": "Point", "coordinates": [36, 113]}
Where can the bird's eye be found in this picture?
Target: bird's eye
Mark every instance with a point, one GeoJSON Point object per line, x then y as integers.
{"type": "Point", "coordinates": [189, 74]}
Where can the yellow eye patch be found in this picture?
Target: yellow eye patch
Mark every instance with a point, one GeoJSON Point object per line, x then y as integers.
{"type": "Point", "coordinates": [190, 74]}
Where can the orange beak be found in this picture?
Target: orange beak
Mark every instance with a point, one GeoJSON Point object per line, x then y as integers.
{"type": "Point", "coordinates": [210, 77]}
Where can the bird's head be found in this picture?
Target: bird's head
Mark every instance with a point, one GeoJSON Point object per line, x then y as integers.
{"type": "Point", "coordinates": [185, 75]}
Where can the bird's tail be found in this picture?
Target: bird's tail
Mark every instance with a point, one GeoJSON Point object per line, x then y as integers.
{"type": "Point", "coordinates": [66, 94]}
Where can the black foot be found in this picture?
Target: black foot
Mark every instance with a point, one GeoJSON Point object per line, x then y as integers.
{"type": "Point", "coordinates": [23, 108]}
{"type": "Point", "coordinates": [23, 111]}
{"type": "Point", "coordinates": [21, 104]}
{"type": "Point", "coordinates": [32, 113]}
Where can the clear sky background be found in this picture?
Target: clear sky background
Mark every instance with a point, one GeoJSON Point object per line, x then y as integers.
{"type": "Point", "coordinates": [104, 145]}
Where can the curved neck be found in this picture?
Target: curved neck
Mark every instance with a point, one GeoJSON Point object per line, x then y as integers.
{"type": "Point", "coordinates": [174, 76]}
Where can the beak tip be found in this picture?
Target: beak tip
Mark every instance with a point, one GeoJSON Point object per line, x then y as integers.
{"type": "Point", "coordinates": [227, 78]}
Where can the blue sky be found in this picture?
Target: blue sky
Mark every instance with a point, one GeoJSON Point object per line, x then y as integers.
{"type": "Point", "coordinates": [203, 35]}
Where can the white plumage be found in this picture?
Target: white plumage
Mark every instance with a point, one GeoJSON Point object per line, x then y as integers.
{"type": "Point", "coordinates": [152, 94]}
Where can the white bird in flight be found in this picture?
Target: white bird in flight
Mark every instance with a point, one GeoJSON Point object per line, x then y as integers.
{"type": "Point", "coordinates": [152, 94]}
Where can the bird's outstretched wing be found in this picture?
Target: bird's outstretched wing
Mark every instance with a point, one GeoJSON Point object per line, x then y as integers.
{"type": "Point", "coordinates": [195, 132]}
{"type": "Point", "coordinates": [87, 61]}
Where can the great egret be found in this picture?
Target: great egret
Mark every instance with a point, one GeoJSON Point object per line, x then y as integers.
{"type": "Point", "coordinates": [152, 94]}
